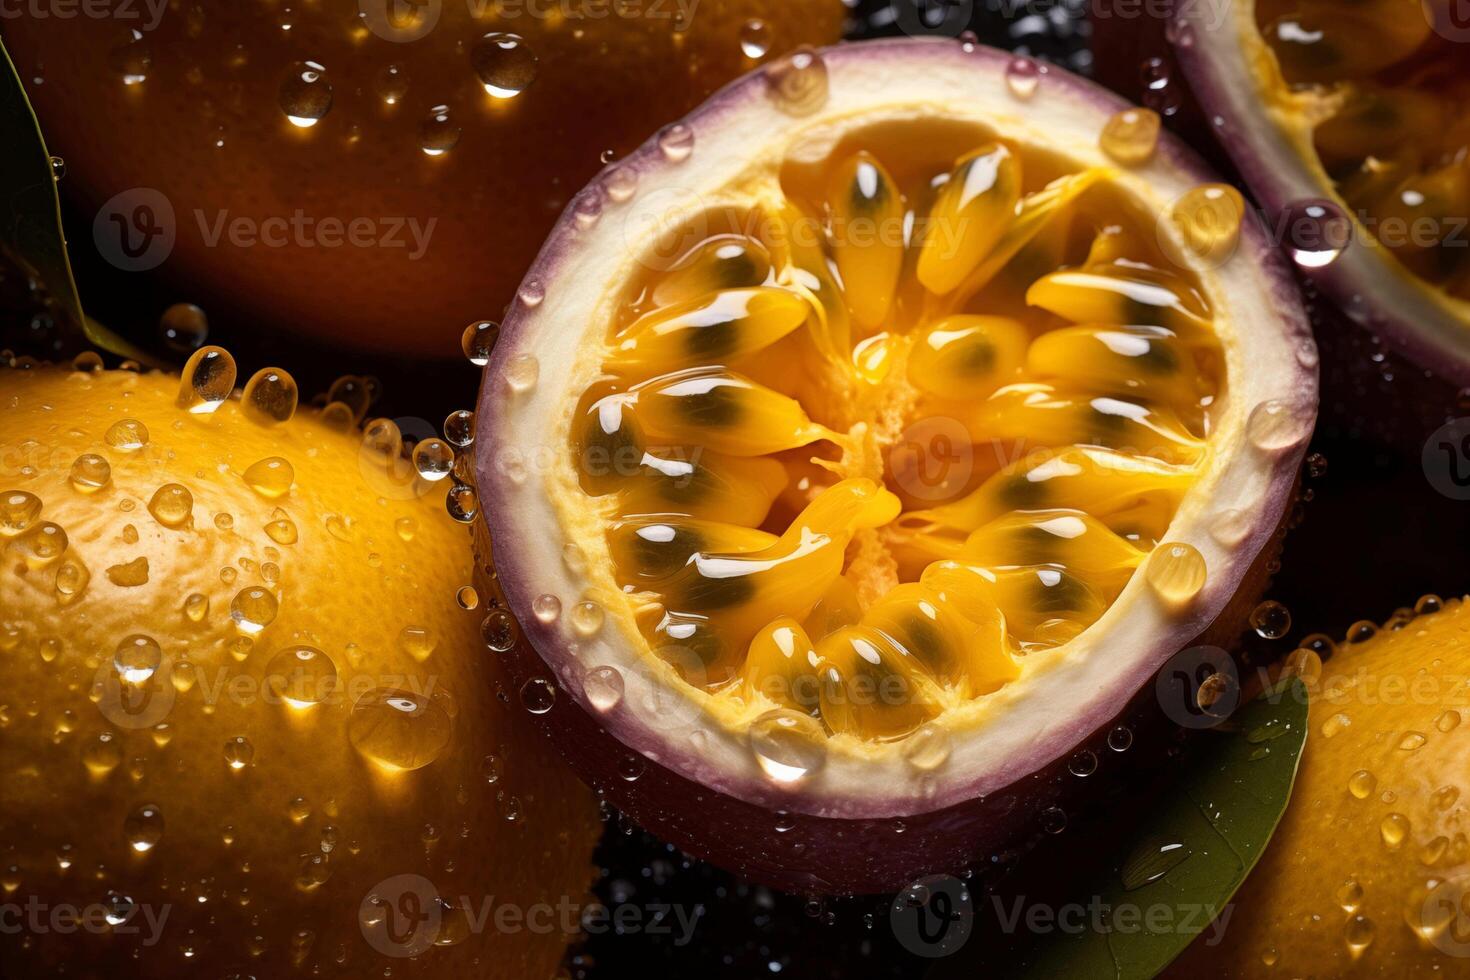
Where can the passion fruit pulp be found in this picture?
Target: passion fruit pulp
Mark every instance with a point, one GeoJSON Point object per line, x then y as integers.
{"type": "Point", "coordinates": [1346, 122]}
{"type": "Point", "coordinates": [249, 722]}
{"type": "Point", "coordinates": [735, 553]}
{"type": "Point", "coordinates": [376, 158]}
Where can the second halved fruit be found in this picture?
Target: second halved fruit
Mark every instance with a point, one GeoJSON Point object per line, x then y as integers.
{"type": "Point", "coordinates": [863, 444]}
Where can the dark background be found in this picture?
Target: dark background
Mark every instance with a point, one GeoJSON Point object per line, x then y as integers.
{"type": "Point", "coordinates": [1371, 536]}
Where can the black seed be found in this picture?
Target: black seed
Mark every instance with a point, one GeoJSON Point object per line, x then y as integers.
{"type": "Point", "coordinates": [1019, 493]}
{"type": "Point", "coordinates": [713, 340]}
{"type": "Point", "coordinates": [1067, 595]}
{"type": "Point", "coordinates": [659, 558]}
{"type": "Point", "coordinates": [922, 639]}
{"type": "Point", "coordinates": [1158, 359]}
{"type": "Point", "coordinates": [719, 407]}
{"type": "Point", "coordinates": [706, 594]}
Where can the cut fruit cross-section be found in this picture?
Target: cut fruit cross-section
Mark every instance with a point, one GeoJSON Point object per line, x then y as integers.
{"type": "Point", "coordinates": [859, 448]}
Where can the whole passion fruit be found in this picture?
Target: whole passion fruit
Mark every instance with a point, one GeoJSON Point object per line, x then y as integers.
{"type": "Point", "coordinates": [249, 726]}
{"type": "Point", "coordinates": [353, 168]}
{"type": "Point", "coordinates": [1368, 871]}
{"type": "Point", "coordinates": [1347, 121]}
{"type": "Point", "coordinates": [861, 445]}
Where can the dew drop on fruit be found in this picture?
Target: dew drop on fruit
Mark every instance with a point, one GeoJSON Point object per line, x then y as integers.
{"type": "Point", "coordinates": [132, 59]}
{"type": "Point", "coordinates": [90, 473]}
{"type": "Point", "coordinates": [467, 597]}
{"type": "Point", "coordinates": [587, 617]}
{"type": "Point", "coordinates": [522, 373]}
{"type": "Point", "coordinates": [305, 94]}
{"type": "Point", "coordinates": [18, 511]}
{"type": "Point", "coordinates": [391, 84]}
{"type": "Point", "coordinates": [755, 38]}
{"type": "Point", "coordinates": [172, 505]}
{"type": "Point", "coordinates": [546, 608]}
{"type": "Point", "coordinates": [538, 695]}
{"type": "Point", "coordinates": [459, 428]}
{"type": "Point", "coordinates": [620, 184]}
{"type": "Point", "coordinates": [604, 687]}
{"type": "Point", "coordinates": [42, 544]}
{"type": "Point", "coordinates": [1230, 527]}
{"type": "Point", "coordinates": [417, 641]}
{"type": "Point", "coordinates": [270, 397]}
{"type": "Point", "coordinates": [87, 362]}
{"type": "Point", "coordinates": [282, 531]}
{"type": "Point", "coordinates": [406, 528]}
{"type": "Point", "coordinates": [1023, 76]}
{"type": "Point", "coordinates": [398, 729]}
{"type": "Point", "coordinates": [788, 745]}
{"type": "Point", "coordinates": [71, 577]}
{"type": "Point", "coordinates": [1208, 218]}
{"type": "Point", "coordinates": [1083, 764]}
{"type": "Point", "coordinates": [1393, 829]}
{"type": "Point", "coordinates": [433, 459]}
{"type": "Point", "coordinates": [1160, 93]}
{"type": "Point", "coordinates": [1176, 571]}
{"type": "Point", "coordinates": [1349, 895]}
{"type": "Point", "coordinates": [270, 477]}
{"type": "Point", "coordinates": [499, 630]}
{"type": "Point", "coordinates": [183, 328]}
{"type": "Point", "coordinates": [676, 142]}
{"type": "Point", "coordinates": [462, 503]}
{"type": "Point", "coordinates": [207, 380]}
{"type": "Point", "coordinates": [196, 606]}
{"type": "Point", "coordinates": [928, 747]}
{"type": "Point", "coordinates": [1271, 620]}
{"type": "Point", "coordinates": [127, 435]}
{"type": "Point", "coordinates": [1316, 232]}
{"type": "Point", "coordinates": [239, 752]}
{"type": "Point", "coordinates": [797, 83]}
{"type": "Point", "coordinates": [1130, 137]}
{"type": "Point", "coordinates": [301, 676]}
{"type": "Point", "coordinates": [354, 392]}
{"type": "Point", "coordinates": [478, 340]}
{"type": "Point", "coordinates": [504, 63]}
{"type": "Point", "coordinates": [1275, 425]}
{"type": "Point", "coordinates": [1151, 860]}
{"type": "Point", "coordinates": [1053, 820]}
{"type": "Point", "coordinates": [102, 755]}
{"type": "Point", "coordinates": [438, 133]}
{"type": "Point", "coordinates": [533, 291]}
{"type": "Point", "coordinates": [253, 609]}
{"type": "Point", "coordinates": [1358, 932]}
{"type": "Point", "coordinates": [143, 827]}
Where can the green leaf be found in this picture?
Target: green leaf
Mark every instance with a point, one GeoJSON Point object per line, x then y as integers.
{"type": "Point", "coordinates": [30, 219]}
{"type": "Point", "coordinates": [1186, 856]}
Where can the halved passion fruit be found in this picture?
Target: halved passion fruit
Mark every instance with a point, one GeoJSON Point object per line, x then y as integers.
{"type": "Point", "coordinates": [852, 495]}
{"type": "Point", "coordinates": [1347, 121]}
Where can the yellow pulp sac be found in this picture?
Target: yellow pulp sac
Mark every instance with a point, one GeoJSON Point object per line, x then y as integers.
{"type": "Point", "coordinates": [1397, 142]}
{"type": "Point", "coordinates": [912, 416]}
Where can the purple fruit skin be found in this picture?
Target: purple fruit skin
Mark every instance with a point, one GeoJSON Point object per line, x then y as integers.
{"type": "Point", "coordinates": [852, 847]}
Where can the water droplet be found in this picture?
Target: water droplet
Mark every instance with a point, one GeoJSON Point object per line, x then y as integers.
{"type": "Point", "coordinates": [459, 428]}
{"type": "Point", "coordinates": [1023, 77]}
{"type": "Point", "coordinates": [538, 695]}
{"type": "Point", "coordinates": [604, 687]}
{"type": "Point", "coordinates": [207, 380]}
{"type": "Point", "coordinates": [499, 630]}
{"type": "Point", "coordinates": [478, 340]}
{"type": "Point", "coordinates": [1316, 232]}
{"type": "Point", "coordinates": [172, 505]}
{"type": "Point", "coordinates": [398, 729]}
{"type": "Point", "coordinates": [433, 459]}
{"type": "Point", "coordinates": [1271, 620]}
{"type": "Point", "coordinates": [755, 38]}
{"type": "Point", "coordinates": [1053, 820]}
{"type": "Point", "coordinates": [504, 63]}
{"type": "Point", "coordinates": [196, 607]}
{"type": "Point", "coordinates": [282, 531]}
{"type": "Point", "coordinates": [462, 503]}
{"type": "Point", "coordinates": [1349, 895]}
{"type": "Point", "coordinates": [1120, 739]}
{"type": "Point", "coordinates": [305, 94]}
{"type": "Point", "coordinates": [1208, 219]}
{"type": "Point", "coordinates": [467, 597]}
{"type": "Point", "coordinates": [788, 745]}
{"type": "Point", "coordinates": [1159, 91]}
{"type": "Point", "coordinates": [391, 84]}
{"type": "Point", "coordinates": [270, 477]}
{"type": "Point", "coordinates": [301, 676]}
{"type": "Point", "coordinates": [928, 747]}
{"type": "Point", "coordinates": [1412, 741]}
{"type": "Point", "coordinates": [1151, 860]}
{"type": "Point", "coordinates": [418, 642]}
{"type": "Point", "coordinates": [1176, 571]}
{"type": "Point", "coordinates": [102, 755]}
{"type": "Point", "coordinates": [532, 292]}
{"type": "Point", "coordinates": [1277, 424]}
{"type": "Point", "coordinates": [127, 435]}
{"type": "Point", "coordinates": [797, 83]}
{"type": "Point", "coordinates": [270, 397]}
{"type": "Point", "coordinates": [587, 617]}
{"type": "Point", "coordinates": [620, 184]}
{"type": "Point", "coordinates": [183, 328]}
{"type": "Point", "coordinates": [90, 473]}
{"type": "Point", "coordinates": [1130, 137]}
{"type": "Point", "coordinates": [58, 168]}
{"type": "Point", "coordinates": [18, 511]}
{"type": "Point", "coordinates": [1083, 764]}
{"type": "Point", "coordinates": [1357, 932]}
{"type": "Point", "coordinates": [42, 544]}
{"type": "Point", "coordinates": [1230, 527]}
{"type": "Point", "coordinates": [1394, 828]}
{"type": "Point", "coordinates": [132, 59]}
{"type": "Point", "coordinates": [522, 373]}
{"type": "Point", "coordinates": [438, 133]}
{"type": "Point", "coordinates": [253, 609]}
{"type": "Point", "coordinates": [87, 362]}
{"type": "Point", "coordinates": [676, 142]}
{"type": "Point", "coordinates": [71, 577]}
{"type": "Point", "coordinates": [239, 752]}
{"type": "Point", "coordinates": [546, 608]}
{"type": "Point", "coordinates": [1448, 720]}
{"type": "Point", "coordinates": [143, 827]}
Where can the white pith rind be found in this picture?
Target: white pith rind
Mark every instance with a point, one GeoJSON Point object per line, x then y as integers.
{"type": "Point", "coordinates": [528, 482]}
{"type": "Point", "coordinates": [1270, 142]}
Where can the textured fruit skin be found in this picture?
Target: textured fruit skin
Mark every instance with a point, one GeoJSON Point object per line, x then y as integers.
{"type": "Point", "coordinates": [491, 198]}
{"type": "Point", "coordinates": [732, 821]}
{"type": "Point", "coordinates": [1391, 687]}
{"type": "Point", "coordinates": [331, 594]}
